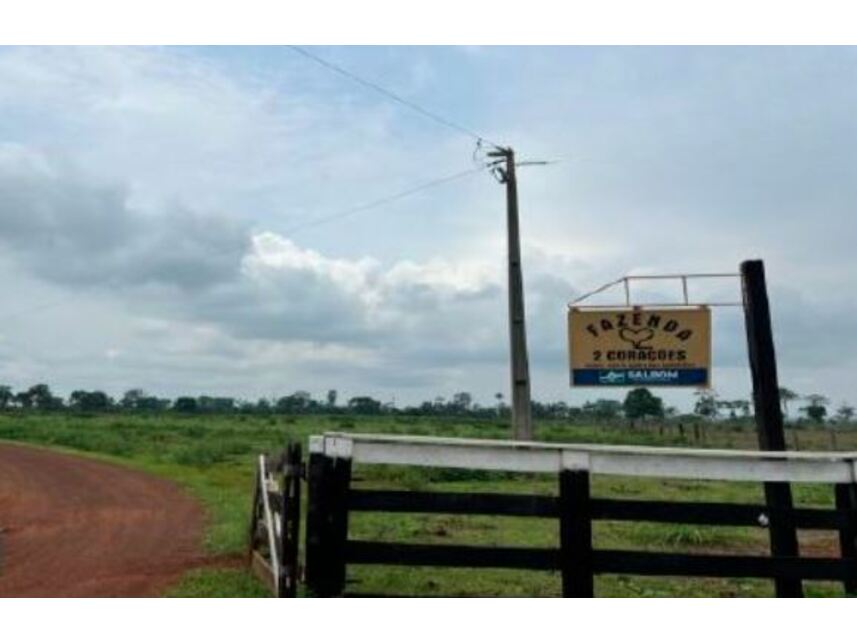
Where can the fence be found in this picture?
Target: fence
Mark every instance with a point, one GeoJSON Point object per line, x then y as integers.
{"type": "Point", "coordinates": [329, 550]}
{"type": "Point", "coordinates": [275, 521]}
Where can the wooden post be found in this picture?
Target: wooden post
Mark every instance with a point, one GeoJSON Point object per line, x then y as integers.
{"type": "Point", "coordinates": [575, 535]}
{"type": "Point", "coordinates": [846, 499]}
{"type": "Point", "coordinates": [316, 511]}
{"type": "Point", "coordinates": [769, 418]}
{"type": "Point", "coordinates": [327, 524]}
{"type": "Point", "coordinates": [290, 521]}
{"type": "Point", "coordinates": [254, 516]}
{"type": "Point", "coordinates": [337, 526]}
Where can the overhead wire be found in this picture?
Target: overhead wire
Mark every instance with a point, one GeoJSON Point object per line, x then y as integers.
{"type": "Point", "coordinates": [391, 95]}
{"type": "Point", "coordinates": [383, 201]}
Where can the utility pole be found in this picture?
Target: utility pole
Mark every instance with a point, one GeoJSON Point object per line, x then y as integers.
{"type": "Point", "coordinates": [522, 424]}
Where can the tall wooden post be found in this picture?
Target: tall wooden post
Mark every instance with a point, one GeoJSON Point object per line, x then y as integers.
{"type": "Point", "coordinates": [769, 416]}
{"type": "Point", "coordinates": [846, 500]}
{"type": "Point", "coordinates": [290, 521]}
{"type": "Point", "coordinates": [329, 480]}
{"type": "Point", "coordinates": [317, 508]}
{"type": "Point", "coordinates": [575, 535]}
{"type": "Point", "coordinates": [520, 370]}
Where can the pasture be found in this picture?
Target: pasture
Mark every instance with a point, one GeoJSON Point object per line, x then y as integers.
{"type": "Point", "coordinates": [213, 457]}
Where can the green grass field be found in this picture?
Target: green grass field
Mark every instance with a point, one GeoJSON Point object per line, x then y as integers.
{"type": "Point", "coordinates": [213, 457]}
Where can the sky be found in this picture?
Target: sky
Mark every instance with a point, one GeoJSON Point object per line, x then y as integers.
{"type": "Point", "coordinates": [174, 219]}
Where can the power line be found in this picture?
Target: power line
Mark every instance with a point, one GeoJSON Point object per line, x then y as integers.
{"type": "Point", "coordinates": [391, 95]}
{"type": "Point", "coordinates": [383, 201]}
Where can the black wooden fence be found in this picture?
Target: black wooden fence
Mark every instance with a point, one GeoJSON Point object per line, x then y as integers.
{"type": "Point", "coordinates": [329, 550]}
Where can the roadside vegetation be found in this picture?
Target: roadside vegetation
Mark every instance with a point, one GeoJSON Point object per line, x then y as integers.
{"type": "Point", "coordinates": [212, 454]}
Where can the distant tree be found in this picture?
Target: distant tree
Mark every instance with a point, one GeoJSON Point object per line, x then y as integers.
{"type": "Point", "coordinates": [331, 398]}
{"type": "Point", "coordinates": [131, 399]}
{"type": "Point", "coordinates": [816, 410]}
{"type": "Point", "coordinates": [845, 414]}
{"type": "Point", "coordinates": [185, 405]}
{"type": "Point", "coordinates": [90, 401]}
{"type": "Point", "coordinates": [364, 405]}
{"type": "Point", "coordinates": [603, 409]}
{"type": "Point", "coordinates": [263, 405]}
{"type": "Point", "coordinates": [787, 395]}
{"type": "Point", "coordinates": [42, 398]}
{"type": "Point", "coordinates": [6, 397]}
{"type": "Point", "coordinates": [743, 406]}
{"type": "Point", "coordinates": [640, 403]}
{"type": "Point", "coordinates": [462, 402]}
{"type": "Point", "coordinates": [24, 400]}
{"type": "Point", "coordinates": [151, 403]}
{"type": "Point", "coordinates": [208, 404]}
{"type": "Point", "coordinates": [297, 402]}
{"type": "Point", "coordinates": [706, 404]}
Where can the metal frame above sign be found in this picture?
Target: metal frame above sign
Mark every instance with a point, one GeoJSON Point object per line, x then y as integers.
{"type": "Point", "coordinates": [626, 282]}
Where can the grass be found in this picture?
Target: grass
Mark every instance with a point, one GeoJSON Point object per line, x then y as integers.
{"type": "Point", "coordinates": [213, 458]}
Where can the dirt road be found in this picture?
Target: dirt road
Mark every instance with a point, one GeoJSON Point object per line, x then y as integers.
{"type": "Point", "coordinates": [79, 527]}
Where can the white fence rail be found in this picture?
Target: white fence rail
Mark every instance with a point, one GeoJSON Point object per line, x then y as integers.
{"type": "Point", "coordinates": [540, 457]}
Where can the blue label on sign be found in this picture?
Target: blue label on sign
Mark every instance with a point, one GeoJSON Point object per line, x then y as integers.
{"type": "Point", "coordinates": [639, 377]}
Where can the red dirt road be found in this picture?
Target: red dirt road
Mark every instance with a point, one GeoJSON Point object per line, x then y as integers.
{"type": "Point", "coordinates": [79, 527]}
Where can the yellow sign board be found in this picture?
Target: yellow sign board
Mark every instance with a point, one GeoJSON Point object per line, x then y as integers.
{"type": "Point", "coordinates": [640, 346]}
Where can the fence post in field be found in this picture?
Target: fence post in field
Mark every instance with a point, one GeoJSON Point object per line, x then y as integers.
{"type": "Point", "coordinates": [254, 516]}
{"type": "Point", "coordinates": [769, 416]}
{"type": "Point", "coordinates": [316, 509]}
{"type": "Point", "coordinates": [290, 521]}
{"type": "Point", "coordinates": [575, 534]}
{"type": "Point", "coordinates": [327, 524]}
{"type": "Point", "coordinates": [846, 499]}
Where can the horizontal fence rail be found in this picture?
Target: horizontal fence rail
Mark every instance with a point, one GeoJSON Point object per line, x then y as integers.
{"type": "Point", "coordinates": [329, 549]}
{"type": "Point", "coordinates": [539, 457]}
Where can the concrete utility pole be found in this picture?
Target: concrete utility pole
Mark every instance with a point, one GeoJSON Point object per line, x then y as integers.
{"type": "Point", "coordinates": [522, 423]}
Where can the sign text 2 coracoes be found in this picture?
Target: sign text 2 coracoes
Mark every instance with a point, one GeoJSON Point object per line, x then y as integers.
{"type": "Point", "coordinates": [640, 346]}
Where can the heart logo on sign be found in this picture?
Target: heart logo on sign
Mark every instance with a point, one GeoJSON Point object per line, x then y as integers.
{"type": "Point", "coordinates": [637, 337]}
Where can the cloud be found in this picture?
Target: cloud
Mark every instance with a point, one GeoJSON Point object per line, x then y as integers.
{"type": "Point", "coordinates": [72, 231]}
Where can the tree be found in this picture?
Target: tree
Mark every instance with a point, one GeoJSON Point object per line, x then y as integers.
{"type": "Point", "coordinates": [42, 399]}
{"type": "Point", "coordinates": [364, 405]}
{"type": "Point", "coordinates": [185, 405]}
{"type": "Point", "coordinates": [6, 397]}
{"type": "Point", "coordinates": [462, 402]}
{"type": "Point", "coordinates": [743, 406]}
{"type": "Point", "coordinates": [23, 399]}
{"type": "Point", "coordinates": [706, 404]}
{"type": "Point", "coordinates": [845, 414]}
{"type": "Point", "coordinates": [640, 403]}
{"type": "Point", "coordinates": [603, 409]}
{"type": "Point", "coordinates": [787, 395]}
{"type": "Point", "coordinates": [297, 402]}
{"type": "Point", "coordinates": [152, 403]}
{"type": "Point", "coordinates": [208, 404]}
{"type": "Point", "coordinates": [90, 401]}
{"type": "Point", "coordinates": [131, 399]}
{"type": "Point", "coordinates": [816, 410]}
{"type": "Point", "coordinates": [331, 398]}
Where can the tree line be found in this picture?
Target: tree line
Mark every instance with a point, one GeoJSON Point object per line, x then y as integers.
{"type": "Point", "coordinates": [640, 404]}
